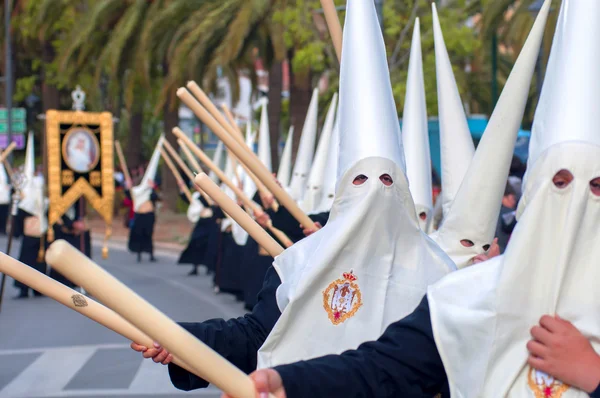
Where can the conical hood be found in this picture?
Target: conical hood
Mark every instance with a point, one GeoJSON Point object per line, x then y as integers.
{"type": "Point", "coordinates": [415, 135]}
{"type": "Point", "coordinates": [150, 173]}
{"type": "Point", "coordinates": [314, 187]}
{"type": "Point", "coordinates": [217, 159]}
{"type": "Point", "coordinates": [474, 213]}
{"type": "Point", "coordinates": [285, 165]}
{"type": "Point", "coordinates": [456, 144]}
{"type": "Point", "coordinates": [369, 125]}
{"type": "Point", "coordinates": [568, 107]}
{"type": "Point", "coordinates": [329, 178]}
{"type": "Point", "coordinates": [4, 186]}
{"type": "Point", "coordinates": [306, 149]}
{"type": "Point", "coordinates": [264, 138]}
{"type": "Point", "coordinates": [249, 186]}
{"type": "Point", "coordinates": [29, 166]}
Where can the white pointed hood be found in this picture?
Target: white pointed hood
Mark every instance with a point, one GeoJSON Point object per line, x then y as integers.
{"type": "Point", "coordinates": [549, 266]}
{"type": "Point", "coordinates": [415, 135]}
{"type": "Point", "coordinates": [32, 195]}
{"type": "Point", "coordinates": [370, 264]}
{"type": "Point", "coordinates": [4, 186]}
{"type": "Point", "coordinates": [141, 193]}
{"type": "Point", "coordinates": [264, 138]}
{"type": "Point", "coordinates": [217, 159]}
{"type": "Point", "coordinates": [285, 164]}
{"type": "Point", "coordinates": [249, 186]}
{"type": "Point", "coordinates": [456, 144]}
{"type": "Point", "coordinates": [314, 187]}
{"type": "Point", "coordinates": [306, 149]}
{"type": "Point", "coordinates": [330, 175]}
{"type": "Point", "coordinates": [230, 174]}
{"type": "Point", "coordinates": [485, 180]}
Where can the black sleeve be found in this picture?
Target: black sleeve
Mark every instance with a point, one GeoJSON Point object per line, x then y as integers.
{"type": "Point", "coordinates": [217, 212]}
{"type": "Point", "coordinates": [184, 197]}
{"type": "Point", "coordinates": [18, 222]}
{"type": "Point", "coordinates": [404, 362]}
{"type": "Point", "coordinates": [154, 196]}
{"type": "Point", "coordinates": [321, 218]}
{"type": "Point", "coordinates": [67, 222]}
{"type": "Point", "coordinates": [203, 201]}
{"type": "Point", "coordinates": [238, 340]}
{"type": "Point", "coordinates": [596, 393]}
{"type": "Point", "coordinates": [284, 221]}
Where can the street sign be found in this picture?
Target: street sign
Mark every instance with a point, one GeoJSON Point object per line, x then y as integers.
{"type": "Point", "coordinates": [18, 139]}
{"type": "Point", "coordinates": [18, 120]}
{"type": "Point", "coordinates": [17, 114]}
{"type": "Point", "coordinates": [18, 127]}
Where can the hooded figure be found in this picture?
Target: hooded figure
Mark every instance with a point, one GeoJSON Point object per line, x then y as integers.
{"type": "Point", "coordinates": [549, 266]}
{"type": "Point", "coordinates": [456, 144]}
{"type": "Point", "coordinates": [144, 197]}
{"type": "Point", "coordinates": [306, 149]}
{"type": "Point", "coordinates": [285, 164]}
{"type": "Point", "coordinates": [217, 159]}
{"type": "Point", "coordinates": [31, 221]}
{"type": "Point", "coordinates": [415, 135]}
{"type": "Point", "coordinates": [370, 264]}
{"type": "Point", "coordinates": [330, 173]}
{"type": "Point", "coordinates": [228, 275]}
{"type": "Point", "coordinates": [249, 188]}
{"type": "Point", "coordinates": [470, 223]}
{"type": "Point", "coordinates": [264, 138]}
{"type": "Point", "coordinates": [5, 198]}
{"type": "Point", "coordinates": [314, 187]}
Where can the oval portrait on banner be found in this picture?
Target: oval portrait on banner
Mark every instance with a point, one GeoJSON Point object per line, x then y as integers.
{"type": "Point", "coordinates": [80, 150]}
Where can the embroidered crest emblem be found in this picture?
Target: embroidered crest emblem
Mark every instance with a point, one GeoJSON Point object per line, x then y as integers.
{"type": "Point", "coordinates": [342, 298]}
{"type": "Point", "coordinates": [544, 385]}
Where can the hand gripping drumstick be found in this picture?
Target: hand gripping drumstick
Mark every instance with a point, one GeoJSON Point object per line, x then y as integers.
{"type": "Point", "coordinates": [238, 192]}
{"type": "Point", "coordinates": [75, 301]}
{"type": "Point", "coordinates": [239, 215]}
{"type": "Point", "coordinates": [204, 362]}
{"type": "Point", "coordinates": [246, 157]}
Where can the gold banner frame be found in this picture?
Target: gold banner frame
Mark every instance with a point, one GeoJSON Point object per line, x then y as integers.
{"type": "Point", "coordinates": [60, 203]}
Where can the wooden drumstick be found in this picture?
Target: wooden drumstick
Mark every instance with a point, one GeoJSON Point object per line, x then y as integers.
{"type": "Point", "coordinates": [238, 215]}
{"type": "Point", "coordinates": [175, 172]}
{"type": "Point", "coordinates": [123, 162]}
{"type": "Point", "coordinates": [256, 209]}
{"type": "Point", "coordinates": [204, 362]}
{"type": "Point", "coordinates": [183, 166]}
{"type": "Point", "coordinates": [334, 25]}
{"type": "Point", "coordinates": [259, 185]}
{"type": "Point", "coordinates": [74, 300]}
{"type": "Point", "coordinates": [192, 160]}
{"type": "Point", "coordinates": [246, 157]}
{"type": "Point", "coordinates": [7, 151]}
{"type": "Point", "coordinates": [232, 128]}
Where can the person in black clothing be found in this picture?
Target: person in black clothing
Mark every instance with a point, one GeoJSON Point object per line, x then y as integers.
{"type": "Point", "coordinates": [200, 213]}
{"type": "Point", "coordinates": [405, 362]}
{"type": "Point", "coordinates": [507, 219]}
{"type": "Point", "coordinates": [29, 227]}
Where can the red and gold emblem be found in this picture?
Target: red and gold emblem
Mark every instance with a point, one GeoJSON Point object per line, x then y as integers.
{"type": "Point", "coordinates": [544, 385]}
{"type": "Point", "coordinates": [342, 298]}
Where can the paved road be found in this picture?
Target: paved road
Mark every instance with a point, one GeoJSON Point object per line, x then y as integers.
{"type": "Point", "coordinates": [47, 350]}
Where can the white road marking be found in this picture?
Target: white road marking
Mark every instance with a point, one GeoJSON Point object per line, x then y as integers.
{"type": "Point", "coordinates": [50, 372]}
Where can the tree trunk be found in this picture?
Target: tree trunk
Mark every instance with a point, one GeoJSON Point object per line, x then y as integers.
{"type": "Point", "coordinates": [300, 94]}
{"type": "Point", "coordinates": [50, 97]}
{"type": "Point", "coordinates": [274, 108]}
{"type": "Point", "coordinates": [133, 150]}
{"type": "Point", "coordinates": [170, 190]}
